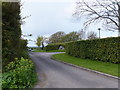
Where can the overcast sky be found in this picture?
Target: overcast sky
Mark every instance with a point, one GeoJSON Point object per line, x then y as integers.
{"type": "Point", "coordinates": [49, 17]}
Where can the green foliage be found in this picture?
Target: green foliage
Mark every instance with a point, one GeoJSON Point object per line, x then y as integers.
{"type": "Point", "coordinates": [54, 46]}
{"type": "Point", "coordinates": [10, 54]}
{"type": "Point", "coordinates": [39, 41]}
{"type": "Point", "coordinates": [19, 74]}
{"type": "Point", "coordinates": [25, 54]}
{"type": "Point", "coordinates": [16, 73]}
{"type": "Point", "coordinates": [12, 45]}
{"type": "Point", "coordinates": [23, 44]}
{"type": "Point", "coordinates": [106, 49]}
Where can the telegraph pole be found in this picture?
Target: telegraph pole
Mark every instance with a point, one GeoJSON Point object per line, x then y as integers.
{"type": "Point", "coordinates": [99, 31]}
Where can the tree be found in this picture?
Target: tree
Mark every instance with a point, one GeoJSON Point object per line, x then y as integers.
{"type": "Point", "coordinates": [55, 38]}
{"type": "Point", "coordinates": [72, 36]}
{"type": "Point", "coordinates": [91, 35]}
{"type": "Point", "coordinates": [44, 41]}
{"type": "Point", "coordinates": [47, 41]}
{"type": "Point", "coordinates": [39, 41]}
{"type": "Point", "coordinates": [106, 11]}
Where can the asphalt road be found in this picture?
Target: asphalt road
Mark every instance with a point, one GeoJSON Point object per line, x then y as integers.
{"type": "Point", "coordinates": [54, 74]}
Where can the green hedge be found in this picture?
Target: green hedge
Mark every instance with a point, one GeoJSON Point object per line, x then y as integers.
{"type": "Point", "coordinates": [106, 49]}
{"type": "Point", "coordinates": [19, 74]}
{"type": "Point", "coordinates": [54, 46]}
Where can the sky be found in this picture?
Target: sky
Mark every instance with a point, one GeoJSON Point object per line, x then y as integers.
{"type": "Point", "coordinates": [49, 16]}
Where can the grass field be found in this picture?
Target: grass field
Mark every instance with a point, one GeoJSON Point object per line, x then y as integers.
{"type": "Point", "coordinates": [104, 67]}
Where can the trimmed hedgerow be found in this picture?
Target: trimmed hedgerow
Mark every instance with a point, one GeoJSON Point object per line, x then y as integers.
{"type": "Point", "coordinates": [106, 49]}
{"type": "Point", "coordinates": [54, 46]}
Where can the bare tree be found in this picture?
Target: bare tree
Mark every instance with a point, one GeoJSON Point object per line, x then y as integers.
{"type": "Point", "coordinates": [56, 37]}
{"type": "Point", "coordinates": [82, 34]}
{"type": "Point", "coordinates": [72, 36]}
{"type": "Point", "coordinates": [106, 11]}
{"type": "Point", "coordinates": [91, 35]}
{"type": "Point", "coordinates": [47, 41]}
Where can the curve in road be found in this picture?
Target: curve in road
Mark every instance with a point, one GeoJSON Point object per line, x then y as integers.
{"type": "Point", "coordinates": [54, 74]}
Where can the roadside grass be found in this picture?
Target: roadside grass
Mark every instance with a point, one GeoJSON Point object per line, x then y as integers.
{"type": "Point", "coordinates": [38, 51]}
{"type": "Point", "coordinates": [105, 67]}
{"type": "Point", "coordinates": [56, 51]}
{"type": "Point", "coordinates": [49, 51]}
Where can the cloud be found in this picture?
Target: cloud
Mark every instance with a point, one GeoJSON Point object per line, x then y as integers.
{"type": "Point", "coordinates": [49, 0]}
{"type": "Point", "coordinates": [70, 9]}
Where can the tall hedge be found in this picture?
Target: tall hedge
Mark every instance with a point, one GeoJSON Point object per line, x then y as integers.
{"type": "Point", "coordinates": [106, 49]}
{"type": "Point", "coordinates": [54, 46]}
{"type": "Point", "coordinates": [12, 44]}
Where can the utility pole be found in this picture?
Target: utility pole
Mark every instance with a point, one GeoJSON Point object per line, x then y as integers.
{"type": "Point", "coordinates": [99, 31]}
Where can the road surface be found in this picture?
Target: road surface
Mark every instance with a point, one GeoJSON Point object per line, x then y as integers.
{"type": "Point", "coordinates": [54, 74]}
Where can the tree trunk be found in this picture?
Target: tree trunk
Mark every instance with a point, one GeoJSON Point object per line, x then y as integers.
{"type": "Point", "coordinates": [42, 45]}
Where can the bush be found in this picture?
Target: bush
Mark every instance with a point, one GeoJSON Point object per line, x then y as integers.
{"type": "Point", "coordinates": [25, 54]}
{"type": "Point", "coordinates": [19, 74]}
{"type": "Point", "coordinates": [54, 46]}
{"type": "Point", "coordinates": [99, 49]}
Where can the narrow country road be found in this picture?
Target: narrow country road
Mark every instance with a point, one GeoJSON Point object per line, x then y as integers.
{"type": "Point", "coordinates": [54, 74]}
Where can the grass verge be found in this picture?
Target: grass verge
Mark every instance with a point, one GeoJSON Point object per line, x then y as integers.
{"type": "Point", "coordinates": [104, 67]}
{"type": "Point", "coordinates": [49, 51]}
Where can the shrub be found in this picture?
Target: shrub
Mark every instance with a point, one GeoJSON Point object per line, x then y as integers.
{"type": "Point", "coordinates": [99, 49]}
{"type": "Point", "coordinates": [19, 74]}
{"type": "Point", "coordinates": [54, 46]}
{"type": "Point", "coordinates": [25, 54]}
